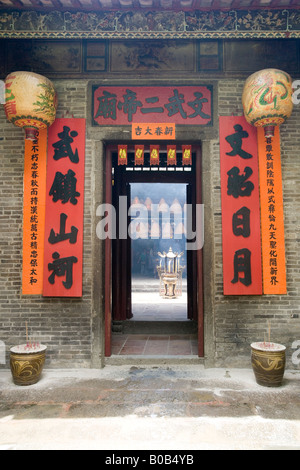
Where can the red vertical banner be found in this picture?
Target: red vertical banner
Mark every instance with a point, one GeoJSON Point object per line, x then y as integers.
{"type": "Point", "coordinates": [35, 165]}
{"type": "Point", "coordinates": [171, 155]}
{"type": "Point", "coordinates": [154, 154]}
{"type": "Point", "coordinates": [186, 155]}
{"type": "Point", "coordinates": [139, 155]}
{"type": "Point", "coordinates": [242, 270]}
{"type": "Point", "coordinates": [122, 154]}
{"type": "Point", "coordinates": [64, 209]}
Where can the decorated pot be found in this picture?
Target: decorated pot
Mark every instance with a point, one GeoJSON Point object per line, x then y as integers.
{"type": "Point", "coordinates": [26, 363]}
{"type": "Point", "coordinates": [30, 102]}
{"type": "Point", "coordinates": [267, 99]}
{"type": "Point", "coordinates": [268, 363]}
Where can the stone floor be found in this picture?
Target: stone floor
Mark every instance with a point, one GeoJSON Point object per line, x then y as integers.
{"type": "Point", "coordinates": [154, 345]}
{"type": "Point", "coordinates": [151, 307]}
{"type": "Point", "coordinates": [153, 408]}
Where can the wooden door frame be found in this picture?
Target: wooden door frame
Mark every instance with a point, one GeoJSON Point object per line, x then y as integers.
{"type": "Point", "coordinates": [200, 290]}
{"type": "Point", "coordinates": [107, 257]}
{"type": "Point", "coordinates": [110, 149]}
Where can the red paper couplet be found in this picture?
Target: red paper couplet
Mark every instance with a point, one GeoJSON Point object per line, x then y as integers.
{"type": "Point", "coordinates": [35, 167]}
{"type": "Point", "coordinates": [154, 154]}
{"type": "Point", "coordinates": [139, 155]}
{"type": "Point", "coordinates": [171, 155]}
{"type": "Point", "coordinates": [122, 154]}
{"type": "Point", "coordinates": [64, 209]}
{"type": "Point", "coordinates": [186, 155]}
{"type": "Point", "coordinates": [272, 213]}
{"type": "Point", "coordinates": [242, 270]}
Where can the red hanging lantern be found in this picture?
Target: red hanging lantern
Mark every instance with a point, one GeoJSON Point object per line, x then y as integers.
{"type": "Point", "coordinates": [186, 155]}
{"type": "Point", "coordinates": [122, 154]}
{"type": "Point", "coordinates": [171, 155]}
{"type": "Point", "coordinates": [154, 154]}
{"type": "Point", "coordinates": [139, 155]}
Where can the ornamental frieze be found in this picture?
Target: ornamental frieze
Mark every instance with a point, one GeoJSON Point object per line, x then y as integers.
{"type": "Point", "coordinates": [151, 24]}
{"type": "Point", "coordinates": [263, 20]}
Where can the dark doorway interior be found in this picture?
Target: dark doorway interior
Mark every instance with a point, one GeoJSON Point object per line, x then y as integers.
{"type": "Point", "coordinates": [143, 303]}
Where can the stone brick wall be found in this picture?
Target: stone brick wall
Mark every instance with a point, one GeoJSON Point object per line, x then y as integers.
{"type": "Point", "coordinates": [65, 324]}
{"type": "Point", "coordinates": [62, 324]}
{"type": "Point", "coordinates": [242, 320]}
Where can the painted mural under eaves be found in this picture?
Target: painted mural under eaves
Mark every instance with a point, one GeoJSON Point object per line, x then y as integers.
{"type": "Point", "coordinates": [275, 23]}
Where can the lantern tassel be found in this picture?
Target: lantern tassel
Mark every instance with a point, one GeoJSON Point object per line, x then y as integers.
{"type": "Point", "coordinates": [269, 131]}
{"type": "Point", "coordinates": [31, 133]}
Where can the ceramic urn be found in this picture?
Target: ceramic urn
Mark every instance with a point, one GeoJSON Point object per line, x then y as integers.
{"type": "Point", "coordinates": [267, 99]}
{"type": "Point", "coordinates": [27, 362]}
{"type": "Point", "coordinates": [30, 102]}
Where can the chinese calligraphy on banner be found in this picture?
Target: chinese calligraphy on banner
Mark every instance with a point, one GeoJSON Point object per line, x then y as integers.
{"type": "Point", "coordinates": [35, 165]}
{"type": "Point", "coordinates": [242, 271]}
{"type": "Point", "coordinates": [64, 209]}
{"type": "Point", "coordinates": [272, 217]}
{"type": "Point", "coordinates": [122, 155]}
{"type": "Point", "coordinates": [186, 155]}
{"type": "Point", "coordinates": [157, 131]}
{"type": "Point", "coordinates": [171, 155]}
{"type": "Point", "coordinates": [154, 155]}
{"type": "Point", "coordinates": [115, 105]}
{"type": "Point", "coordinates": [139, 155]}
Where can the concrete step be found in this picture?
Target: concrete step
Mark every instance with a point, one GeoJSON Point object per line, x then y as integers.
{"type": "Point", "coordinates": [154, 360]}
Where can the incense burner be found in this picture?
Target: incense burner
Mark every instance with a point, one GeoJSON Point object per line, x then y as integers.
{"type": "Point", "coordinates": [268, 363]}
{"type": "Point", "coordinates": [26, 363]}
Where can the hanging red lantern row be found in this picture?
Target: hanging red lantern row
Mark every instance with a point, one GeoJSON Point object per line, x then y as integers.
{"type": "Point", "coordinates": [154, 155]}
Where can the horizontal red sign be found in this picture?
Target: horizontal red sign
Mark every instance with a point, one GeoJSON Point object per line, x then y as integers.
{"type": "Point", "coordinates": [150, 131]}
{"type": "Point", "coordinates": [190, 105]}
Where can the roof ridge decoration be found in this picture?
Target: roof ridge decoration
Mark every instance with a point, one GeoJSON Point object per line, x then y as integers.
{"type": "Point", "coordinates": [144, 5]}
{"type": "Point", "coordinates": [233, 24]}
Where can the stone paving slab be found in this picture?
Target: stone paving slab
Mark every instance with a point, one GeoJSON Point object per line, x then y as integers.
{"type": "Point", "coordinates": [197, 408]}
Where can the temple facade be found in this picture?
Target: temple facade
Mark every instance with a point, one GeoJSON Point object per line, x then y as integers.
{"type": "Point", "coordinates": [150, 112]}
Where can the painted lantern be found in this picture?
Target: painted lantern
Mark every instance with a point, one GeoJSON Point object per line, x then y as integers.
{"type": "Point", "coordinates": [267, 99]}
{"type": "Point", "coordinates": [30, 102]}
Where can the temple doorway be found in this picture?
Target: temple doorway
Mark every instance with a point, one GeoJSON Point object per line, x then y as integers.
{"type": "Point", "coordinates": [156, 282]}
{"type": "Point", "coordinates": [158, 252]}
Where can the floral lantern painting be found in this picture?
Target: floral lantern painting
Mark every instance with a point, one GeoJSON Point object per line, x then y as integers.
{"type": "Point", "coordinates": [267, 99]}
{"type": "Point", "coordinates": [30, 102]}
